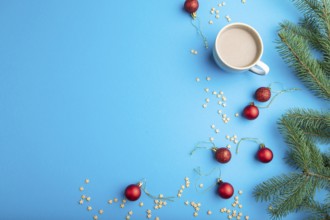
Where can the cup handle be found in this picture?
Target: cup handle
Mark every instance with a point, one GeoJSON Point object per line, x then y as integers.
{"type": "Point", "coordinates": [260, 68]}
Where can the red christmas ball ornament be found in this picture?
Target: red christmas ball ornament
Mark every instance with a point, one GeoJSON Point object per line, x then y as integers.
{"type": "Point", "coordinates": [263, 94]}
{"type": "Point", "coordinates": [251, 112]}
{"type": "Point", "coordinates": [133, 192]}
{"type": "Point", "coordinates": [264, 154]}
{"type": "Point", "coordinates": [225, 190]}
{"type": "Point", "coordinates": [222, 155]}
{"type": "Point", "coordinates": [191, 6]}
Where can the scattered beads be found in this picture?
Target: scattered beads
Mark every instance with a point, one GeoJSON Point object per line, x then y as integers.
{"type": "Point", "coordinates": [228, 18]}
{"type": "Point", "coordinates": [194, 52]}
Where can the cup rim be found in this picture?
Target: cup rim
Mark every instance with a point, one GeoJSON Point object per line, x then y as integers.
{"type": "Point", "coordinates": [250, 28]}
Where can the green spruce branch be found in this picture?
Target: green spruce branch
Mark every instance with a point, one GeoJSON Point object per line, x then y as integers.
{"type": "Point", "coordinates": [296, 42]}
{"type": "Point", "coordinates": [303, 128]}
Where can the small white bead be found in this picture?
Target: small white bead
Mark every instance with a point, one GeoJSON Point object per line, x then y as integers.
{"type": "Point", "coordinates": [192, 51]}
{"type": "Point", "coordinates": [210, 22]}
{"type": "Point", "coordinates": [236, 115]}
{"type": "Point", "coordinates": [204, 105]}
{"type": "Point", "coordinates": [223, 3]}
{"type": "Point", "coordinates": [101, 211]}
{"type": "Point", "coordinates": [224, 115]}
{"type": "Point", "coordinates": [195, 214]}
{"type": "Point", "coordinates": [208, 78]}
{"type": "Point", "coordinates": [95, 217]}
{"type": "Point", "coordinates": [87, 181]}
{"type": "Point", "coordinates": [240, 192]}
{"type": "Point", "coordinates": [213, 126]}
{"type": "Point", "coordinates": [81, 188]}
{"type": "Point", "coordinates": [217, 131]}
{"type": "Point", "coordinates": [224, 98]}
{"type": "Point", "coordinates": [240, 206]}
{"type": "Point", "coordinates": [219, 103]}
{"type": "Point", "coordinates": [206, 89]}
{"type": "Point", "coordinates": [195, 52]}
{"type": "Point", "coordinates": [217, 16]}
{"type": "Point", "coordinates": [198, 79]}
{"type": "Point", "coordinates": [207, 100]}
{"type": "Point", "coordinates": [201, 185]}
{"type": "Point", "coordinates": [89, 208]}
{"type": "Point", "coordinates": [224, 105]}
{"type": "Point", "coordinates": [211, 12]}
{"type": "Point", "coordinates": [219, 112]}
{"type": "Point", "coordinates": [211, 139]}
{"type": "Point", "coordinates": [209, 212]}
{"type": "Point", "coordinates": [235, 141]}
{"type": "Point", "coordinates": [228, 146]}
{"type": "Point", "coordinates": [217, 11]}
{"type": "Point", "coordinates": [186, 202]}
{"type": "Point", "coordinates": [236, 198]}
{"type": "Point", "coordinates": [214, 92]}
{"type": "Point", "coordinates": [247, 217]}
{"type": "Point", "coordinates": [81, 201]}
{"type": "Point", "coordinates": [141, 204]}
{"type": "Point", "coordinates": [227, 137]}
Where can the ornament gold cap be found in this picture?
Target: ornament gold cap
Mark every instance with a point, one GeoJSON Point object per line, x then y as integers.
{"type": "Point", "coordinates": [140, 184]}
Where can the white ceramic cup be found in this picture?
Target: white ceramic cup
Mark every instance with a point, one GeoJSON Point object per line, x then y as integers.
{"type": "Point", "coordinates": [238, 47]}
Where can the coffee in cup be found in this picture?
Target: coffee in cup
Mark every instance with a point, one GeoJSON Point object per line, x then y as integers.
{"type": "Point", "coordinates": [238, 47]}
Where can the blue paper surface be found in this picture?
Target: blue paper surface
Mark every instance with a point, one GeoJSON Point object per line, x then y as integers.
{"type": "Point", "coordinates": [106, 90]}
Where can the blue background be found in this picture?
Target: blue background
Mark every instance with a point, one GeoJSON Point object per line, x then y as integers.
{"type": "Point", "coordinates": [106, 90]}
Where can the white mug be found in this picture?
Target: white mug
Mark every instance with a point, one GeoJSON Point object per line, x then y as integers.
{"type": "Point", "coordinates": [238, 47]}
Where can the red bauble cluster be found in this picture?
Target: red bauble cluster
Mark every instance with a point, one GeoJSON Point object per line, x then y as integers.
{"type": "Point", "coordinates": [263, 94]}
{"type": "Point", "coordinates": [133, 192]}
{"type": "Point", "coordinates": [222, 155]}
{"type": "Point", "coordinates": [264, 154]}
{"type": "Point", "coordinates": [191, 6]}
{"type": "Point", "coordinates": [251, 112]}
{"type": "Point", "coordinates": [225, 190]}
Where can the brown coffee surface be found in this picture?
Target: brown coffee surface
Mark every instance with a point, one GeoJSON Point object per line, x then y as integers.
{"type": "Point", "coordinates": [238, 47]}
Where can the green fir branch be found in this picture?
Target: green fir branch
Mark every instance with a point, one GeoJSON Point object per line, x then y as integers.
{"type": "Point", "coordinates": [295, 50]}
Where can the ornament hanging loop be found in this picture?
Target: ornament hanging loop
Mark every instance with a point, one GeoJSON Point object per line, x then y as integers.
{"type": "Point", "coordinates": [255, 140]}
{"type": "Point", "coordinates": [277, 94]}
